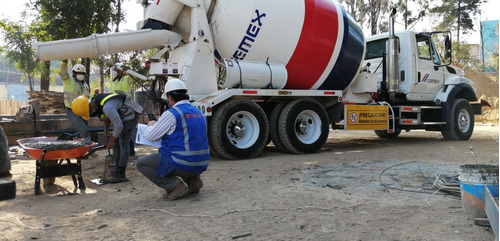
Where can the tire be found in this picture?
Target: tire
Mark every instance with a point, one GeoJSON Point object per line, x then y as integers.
{"type": "Point", "coordinates": [460, 121]}
{"type": "Point", "coordinates": [384, 134]}
{"type": "Point", "coordinates": [303, 126]}
{"type": "Point", "coordinates": [273, 127]}
{"type": "Point", "coordinates": [239, 129]}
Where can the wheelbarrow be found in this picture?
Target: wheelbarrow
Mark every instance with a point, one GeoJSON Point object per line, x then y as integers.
{"type": "Point", "coordinates": [53, 158]}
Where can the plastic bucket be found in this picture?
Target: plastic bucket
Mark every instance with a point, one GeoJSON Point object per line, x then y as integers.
{"type": "Point", "coordinates": [473, 180]}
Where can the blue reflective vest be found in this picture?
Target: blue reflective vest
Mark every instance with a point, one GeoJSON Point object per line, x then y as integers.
{"type": "Point", "coordinates": [187, 147]}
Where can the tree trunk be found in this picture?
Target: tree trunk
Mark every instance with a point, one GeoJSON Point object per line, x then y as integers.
{"type": "Point", "coordinates": [30, 81]}
{"type": "Point", "coordinates": [101, 70]}
{"type": "Point", "coordinates": [45, 77]}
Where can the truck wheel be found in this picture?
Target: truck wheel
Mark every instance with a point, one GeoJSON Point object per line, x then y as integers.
{"type": "Point", "coordinates": [239, 129]}
{"type": "Point", "coordinates": [460, 121]}
{"type": "Point", "coordinates": [273, 127]}
{"type": "Point", "coordinates": [303, 126]}
{"type": "Point", "coordinates": [386, 135]}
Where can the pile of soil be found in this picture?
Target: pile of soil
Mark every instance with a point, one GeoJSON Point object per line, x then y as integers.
{"type": "Point", "coordinates": [487, 90]}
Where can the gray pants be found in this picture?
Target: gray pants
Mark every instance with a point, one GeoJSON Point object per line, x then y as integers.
{"type": "Point", "coordinates": [147, 165]}
{"type": "Point", "coordinates": [121, 149]}
{"type": "Point", "coordinates": [78, 123]}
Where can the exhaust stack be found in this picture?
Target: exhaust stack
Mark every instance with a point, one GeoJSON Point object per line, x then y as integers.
{"type": "Point", "coordinates": [392, 58]}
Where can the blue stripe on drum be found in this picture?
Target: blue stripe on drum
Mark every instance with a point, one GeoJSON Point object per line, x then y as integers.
{"type": "Point", "coordinates": [350, 57]}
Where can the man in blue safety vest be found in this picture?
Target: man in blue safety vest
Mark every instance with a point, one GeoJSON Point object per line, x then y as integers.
{"type": "Point", "coordinates": [184, 153]}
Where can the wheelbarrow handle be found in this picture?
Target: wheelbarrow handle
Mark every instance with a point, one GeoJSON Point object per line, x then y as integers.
{"type": "Point", "coordinates": [92, 150]}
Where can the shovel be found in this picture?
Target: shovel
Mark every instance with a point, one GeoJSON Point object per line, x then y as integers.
{"type": "Point", "coordinates": [109, 165]}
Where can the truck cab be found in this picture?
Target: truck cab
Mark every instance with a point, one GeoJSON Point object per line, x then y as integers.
{"type": "Point", "coordinates": [423, 70]}
{"type": "Point", "coordinates": [426, 88]}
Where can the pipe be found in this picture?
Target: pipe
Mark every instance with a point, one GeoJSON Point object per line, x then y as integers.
{"type": "Point", "coordinates": [97, 45]}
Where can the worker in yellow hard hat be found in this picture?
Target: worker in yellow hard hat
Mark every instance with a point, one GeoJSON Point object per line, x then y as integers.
{"type": "Point", "coordinates": [80, 107]}
{"type": "Point", "coordinates": [74, 86]}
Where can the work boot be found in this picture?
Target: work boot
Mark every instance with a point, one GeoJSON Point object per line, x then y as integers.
{"type": "Point", "coordinates": [180, 190]}
{"type": "Point", "coordinates": [195, 184]}
{"type": "Point", "coordinates": [117, 176]}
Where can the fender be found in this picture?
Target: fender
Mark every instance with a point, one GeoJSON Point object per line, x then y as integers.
{"type": "Point", "coordinates": [456, 87]}
{"type": "Point", "coordinates": [458, 91]}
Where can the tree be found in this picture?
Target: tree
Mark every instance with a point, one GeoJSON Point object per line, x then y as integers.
{"type": "Point", "coordinates": [412, 17]}
{"type": "Point", "coordinates": [457, 15]}
{"type": "Point", "coordinates": [489, 45]}
{"type": "Point", "coordinates": [355, 10]}
{"type": "Point", "coordinates": [19, 48]}
{"type": "Point", "coordinates": [71, 19]}
{"type": "Point", "coordinates": [374, 9]}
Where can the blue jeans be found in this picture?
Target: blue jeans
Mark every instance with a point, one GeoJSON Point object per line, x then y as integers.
{"type": "Point", "coordinates": [78, 123]}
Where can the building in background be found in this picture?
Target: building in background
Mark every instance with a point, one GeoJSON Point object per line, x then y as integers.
{"type": "Point", "coordinates": [489, 32]}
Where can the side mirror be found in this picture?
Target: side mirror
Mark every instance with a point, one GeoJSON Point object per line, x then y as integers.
{"type": "Point", "coordinates": [447, 48]}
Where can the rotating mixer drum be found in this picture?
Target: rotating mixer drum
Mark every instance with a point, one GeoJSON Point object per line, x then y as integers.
{"type": "Point", "coordinates": [321, 46]}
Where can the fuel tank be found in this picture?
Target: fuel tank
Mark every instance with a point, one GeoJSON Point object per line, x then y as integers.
{"type": "Point", "coordinates": [320, 45]}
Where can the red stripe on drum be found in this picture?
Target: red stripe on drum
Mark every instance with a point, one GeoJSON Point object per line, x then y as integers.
{"type": "Point", "coordinates": [315, 46]}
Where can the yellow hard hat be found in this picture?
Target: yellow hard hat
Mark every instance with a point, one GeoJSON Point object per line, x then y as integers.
{"type": "Point", "coordinates": [80, 107]}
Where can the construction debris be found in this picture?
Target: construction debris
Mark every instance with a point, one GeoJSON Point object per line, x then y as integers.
{"type": "Point", "coordinates": [51, 102]}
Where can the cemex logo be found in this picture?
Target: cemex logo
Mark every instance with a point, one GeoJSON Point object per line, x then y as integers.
{"type": "Point", "coordinates": [251, 34]}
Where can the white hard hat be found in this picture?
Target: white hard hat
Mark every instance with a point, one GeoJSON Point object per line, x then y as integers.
{"type": "Point", "coordinates": [79, 68]}
{"type": "Point", "coordinates": [171, 85]}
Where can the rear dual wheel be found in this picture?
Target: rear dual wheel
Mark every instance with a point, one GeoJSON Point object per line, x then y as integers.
{"type": "Point", "coordinates": [303, 126]}
{"type": "Point", "coordinates": [238, 129]}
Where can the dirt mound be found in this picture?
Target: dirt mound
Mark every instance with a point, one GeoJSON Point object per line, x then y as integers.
{"type": "Point", "coordinates": [487, 89]}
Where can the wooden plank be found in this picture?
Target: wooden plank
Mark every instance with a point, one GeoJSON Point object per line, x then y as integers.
{"type": "Point", "coordinates": [491, 209]}
{"type": "Point", "coordinates": [3, 107]}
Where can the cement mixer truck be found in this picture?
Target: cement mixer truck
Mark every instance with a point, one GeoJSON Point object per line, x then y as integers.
{"type": "Point", "coordinates": [289, 71]}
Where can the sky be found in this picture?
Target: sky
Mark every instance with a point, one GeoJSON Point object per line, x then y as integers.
{"type": "Point", "coordinates": [11, 9]}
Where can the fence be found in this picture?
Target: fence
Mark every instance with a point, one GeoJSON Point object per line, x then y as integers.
{"type": "Point", "coordinates": [10, 107]}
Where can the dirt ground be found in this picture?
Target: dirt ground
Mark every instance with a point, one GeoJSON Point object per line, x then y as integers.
{"type": "Point", "coordinates": [358, 187]}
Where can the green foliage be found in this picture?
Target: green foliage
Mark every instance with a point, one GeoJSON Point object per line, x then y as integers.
{"type": "Point", "coordinates": [461, 53]}
{"type": "Point", "coordinates": [412, 16]}
{"type": "Point", "coordinates": [493, 61]}
{"type": "Point", "coordinates": [18, 48]}
{"type": "Point", "coordinates": [72, 19]}
{"type": "Point", "coordinates": [457, 15]}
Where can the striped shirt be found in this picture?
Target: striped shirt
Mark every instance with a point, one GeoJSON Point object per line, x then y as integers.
{"type": "Point", "coordinates": [164, 126]}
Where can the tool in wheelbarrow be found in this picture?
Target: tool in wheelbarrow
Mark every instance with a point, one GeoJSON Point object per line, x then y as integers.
{"type": "Point", "coordinates": [68, 136]}
{"type": "Point", "coordinates": [44, 149]}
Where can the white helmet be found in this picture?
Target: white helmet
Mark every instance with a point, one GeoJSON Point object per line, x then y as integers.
{"type": "Point", "coordinates": [79, 68]}
{"type": "Point", "coordinates": [171, 85]}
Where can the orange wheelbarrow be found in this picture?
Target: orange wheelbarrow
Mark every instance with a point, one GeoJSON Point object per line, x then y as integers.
{"type": "Point", "coordinates": [53, 158]}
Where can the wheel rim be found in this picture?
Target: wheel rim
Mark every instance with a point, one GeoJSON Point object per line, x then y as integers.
{"type": "Point", "coordinates": [308, 126]}
{"type": "Point", "coordinates": [463, 121]}
{"type": "Point", "coordinates": [242, 129]}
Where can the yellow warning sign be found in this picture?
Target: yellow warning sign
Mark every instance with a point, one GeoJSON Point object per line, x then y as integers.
{"type": "Point", "coordinates": [366, 117]}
